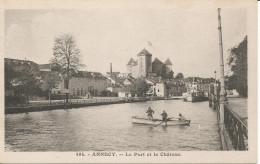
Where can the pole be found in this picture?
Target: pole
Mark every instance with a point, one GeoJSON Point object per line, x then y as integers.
{"type": "Point", "coordinates": [222, 90]}
{"type": "Point", "coordinates": [215, 76]}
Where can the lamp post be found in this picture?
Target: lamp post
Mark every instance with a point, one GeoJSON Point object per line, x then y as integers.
{"type": "Point", "coordinates": [222, 90]}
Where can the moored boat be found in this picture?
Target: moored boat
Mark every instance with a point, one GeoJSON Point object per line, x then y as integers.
{"type": "Point", "coordinates": [155, 122]}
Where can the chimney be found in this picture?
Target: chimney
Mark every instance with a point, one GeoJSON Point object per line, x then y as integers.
{"type": "Point", "coordinates": [110, 69]}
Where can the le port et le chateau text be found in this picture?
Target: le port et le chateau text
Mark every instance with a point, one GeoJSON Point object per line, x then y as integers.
{"type": "Point", "coordinates": [128, 154]}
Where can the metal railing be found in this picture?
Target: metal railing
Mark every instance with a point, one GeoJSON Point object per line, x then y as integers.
{"type": "Point", "coordinates": [235, 125]}
{"type": "Point", "coordinates": [236, 128]}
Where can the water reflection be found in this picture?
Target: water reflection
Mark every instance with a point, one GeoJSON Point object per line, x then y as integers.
{"type": "Point", "coordinates": [110, 128]}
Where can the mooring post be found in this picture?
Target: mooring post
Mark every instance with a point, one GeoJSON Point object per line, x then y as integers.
{"type": "Point", "coordinates": [222, 82]}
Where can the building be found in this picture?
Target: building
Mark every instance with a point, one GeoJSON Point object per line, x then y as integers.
{"type": "Point", "coordinates": [84, 82]}
{"type": "Point", "coordinates": [144, 67]}
{"type": "Point", "coordinates": [202, 84]}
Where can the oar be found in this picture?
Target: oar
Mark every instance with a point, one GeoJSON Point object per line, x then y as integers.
{"type": "Point", "coordinates": [159, 124]}
{"type": "Point", "coordinates": [163, 121]}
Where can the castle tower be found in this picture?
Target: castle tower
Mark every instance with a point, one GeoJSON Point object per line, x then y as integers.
{"type": "Point", "coordinates": [129, 66]}
{"type": "Point", "coordinates": [168, 66]}
{"type": "Point", "coordinates": [144, 61]}
{"type": "Point", "coordinates": [157, 66]}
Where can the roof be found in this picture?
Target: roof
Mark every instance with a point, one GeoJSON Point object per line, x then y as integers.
{"type": "Point", "coordinates": [144, 52]}
{"type": "Point", "coordinates": [156, 61]}
{"type": "Point", "coordinates": [154, 79]}
{"type": "Point", "coordinates": [113, 73]}
{"type": "Point", "coordinates": [131, 61]}
{"type": "Point", "coordinates": [86, 74]}
{"type": "Point", "coordinates": [168, 62]}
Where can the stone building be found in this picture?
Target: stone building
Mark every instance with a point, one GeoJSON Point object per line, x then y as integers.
{"type": "Point", "coordinates": [84, 82]}
{"type": "Point", "coordinates": [144, 67]}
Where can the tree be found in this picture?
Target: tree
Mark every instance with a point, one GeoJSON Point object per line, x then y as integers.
{"type": "Point", "coordinates": [23, 78]}
{"type": "Point", "coordinates": [10, 75]}
{"type": "Point", "coordinates": [238, 63]}
{"type": "Point", "coordinates": [66, 57]}
{"type": "Point", "coordinates": [170, 75]}
{"type": "Point", "coordinates": [51, 79]}
{"type": "Point", "coordinates": [179, 76]}
{"type": "Point", "coordinates": [140, 87]}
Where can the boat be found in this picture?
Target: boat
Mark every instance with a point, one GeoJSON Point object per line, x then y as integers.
{"type": "Point", "coordinates": [194, 94]}
{"type": "Point", "coordinates": [156, 122]}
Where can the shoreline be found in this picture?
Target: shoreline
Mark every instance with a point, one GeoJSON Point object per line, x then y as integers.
{"type": "Point", "coordinates": [77, 104]}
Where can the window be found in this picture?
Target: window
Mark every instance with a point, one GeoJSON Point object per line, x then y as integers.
{"type": "Point", "coordinates": [158, 90]}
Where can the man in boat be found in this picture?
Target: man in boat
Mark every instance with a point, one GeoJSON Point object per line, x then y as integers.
{"type": "Point", "coordinates": [164, 117]}
{"type": "Point", "coordinates": [150, 113]}
{"type": "Point", "coordinates": [181, 117]}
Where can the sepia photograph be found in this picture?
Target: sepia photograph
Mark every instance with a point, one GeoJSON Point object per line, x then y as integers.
{"type": "Point", "coordinates": [134, 79]}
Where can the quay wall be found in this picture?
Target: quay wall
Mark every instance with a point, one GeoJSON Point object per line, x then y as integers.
{"type": "Point", "coordinates": [78, 104]}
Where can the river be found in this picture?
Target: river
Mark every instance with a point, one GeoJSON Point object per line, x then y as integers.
{"type": "Point", "coordinates": [109, 127]}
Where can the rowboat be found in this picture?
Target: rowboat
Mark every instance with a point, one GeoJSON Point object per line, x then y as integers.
{"type": "Point", "coordinates": [170, 121]}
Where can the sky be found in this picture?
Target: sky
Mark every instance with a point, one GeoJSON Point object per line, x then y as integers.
{"type": "Point", "coordinates": [189, 38]}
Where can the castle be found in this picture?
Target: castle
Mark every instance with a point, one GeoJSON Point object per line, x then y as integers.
{"type": "Point", "coordinates": [144, 67]}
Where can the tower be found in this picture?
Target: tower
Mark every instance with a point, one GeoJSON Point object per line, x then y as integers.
{"type": "Point", "coordinates": [144, 61]}
{"type": "Point", "coordinates": [129, 66]}
{"type": "Point", "coordinates": [168, 66]}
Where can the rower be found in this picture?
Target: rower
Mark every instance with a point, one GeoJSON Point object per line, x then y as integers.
{"type": "Point", "coordinates": [150, 113]}
{"type": "Point", "coordinates": [164, 117]}
{"type": "Point", "coordinates": [181, 117]}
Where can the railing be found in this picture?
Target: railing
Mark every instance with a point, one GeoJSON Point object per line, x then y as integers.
{"type": "Point", "coordinates": [236, 128]}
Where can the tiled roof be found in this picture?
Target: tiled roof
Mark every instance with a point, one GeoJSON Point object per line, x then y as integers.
{"type": "Point", "coordinates": [168, 62]}
{"type": "Point", "coordinates": [156, 61]}
{"type": "Point", "coordinates": [144, 52]}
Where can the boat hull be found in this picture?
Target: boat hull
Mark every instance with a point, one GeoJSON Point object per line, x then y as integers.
{"type": "Point", "coordinates": [193, 98]}
{"type": "Point", "coordinates": [155, 122]}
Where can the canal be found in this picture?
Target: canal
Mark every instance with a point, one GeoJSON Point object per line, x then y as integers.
{"type": "Point", "coordinates": [109, 127]}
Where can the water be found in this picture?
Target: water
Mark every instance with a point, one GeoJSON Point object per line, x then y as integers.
{"type": "Point", "coordinates": [109, 127]}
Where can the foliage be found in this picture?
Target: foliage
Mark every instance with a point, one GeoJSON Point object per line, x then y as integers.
{"type": "Point", "coordinates": [238, 64]}
{"type": "Point", "coordinates": [10, 75]}
{"type": "Point", "coordinates": [179, 76]}
{"type": "Point", "coordinates": [106, 93]}
{"type": "Point", "coordinates": [66, 56]}
{"type": "Point", "coordinates": [51, 79]}
{"type": "Point", "coordinates": [140, 86]}
{"type": "Point", "coordinates": [170, 75]}
{"type": "Point", "coordinates": [23, 78]}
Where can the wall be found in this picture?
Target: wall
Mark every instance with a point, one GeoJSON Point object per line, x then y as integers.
{"type": "Point", "coordinates": [157, 68]}
{"type": "Point", "coordinates": [168, 68]}
{"type": "Point", "coordinates": [81, 86]}
{"type": "Point", "coordinates": [160, 90]}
